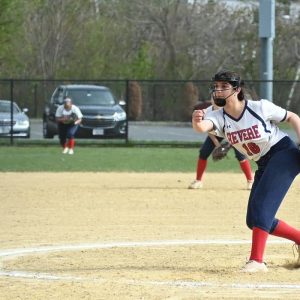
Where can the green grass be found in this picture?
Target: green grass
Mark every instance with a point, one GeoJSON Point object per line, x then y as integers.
{"type": "Point", "coordinates": [107, 159]}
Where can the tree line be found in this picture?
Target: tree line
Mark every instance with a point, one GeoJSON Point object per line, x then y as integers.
{"type": "Point", "coordinates": [138, 39]}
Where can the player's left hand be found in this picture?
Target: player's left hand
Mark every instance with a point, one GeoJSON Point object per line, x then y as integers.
{"type": "Point", "coordinates": [221, 151]}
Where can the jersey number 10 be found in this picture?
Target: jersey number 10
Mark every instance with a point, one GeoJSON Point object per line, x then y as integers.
{"type": "Point", "coordinates": [251, 148]}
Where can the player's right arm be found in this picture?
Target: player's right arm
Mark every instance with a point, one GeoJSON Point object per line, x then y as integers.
{"type": "Point", "coordinates": [294, 120]}
{"type": "Point", "coordinates": [199, 124]}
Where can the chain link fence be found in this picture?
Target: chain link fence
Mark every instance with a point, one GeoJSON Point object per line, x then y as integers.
{"type": "Point", "coordinates": [146, 100]}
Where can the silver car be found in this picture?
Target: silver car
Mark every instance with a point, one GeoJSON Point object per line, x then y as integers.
{"type": "Point", "coordinates": [21, 123]}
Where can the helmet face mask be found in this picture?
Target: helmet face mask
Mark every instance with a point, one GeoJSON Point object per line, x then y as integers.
{"type": "Point", "coordinates": [224, 86]}
{"type": "Point", "coordinates": [225, 76]}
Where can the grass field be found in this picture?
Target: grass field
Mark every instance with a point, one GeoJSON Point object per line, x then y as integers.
{"type": "Point", "coordinates": [108, 159]}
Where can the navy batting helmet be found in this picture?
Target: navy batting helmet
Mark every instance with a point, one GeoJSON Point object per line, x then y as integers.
{"type": "Point", "coordinates": [231, 77]}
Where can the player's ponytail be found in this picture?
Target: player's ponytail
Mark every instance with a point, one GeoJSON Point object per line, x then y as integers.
{"type": "Point", "coordinates": [241, 94]}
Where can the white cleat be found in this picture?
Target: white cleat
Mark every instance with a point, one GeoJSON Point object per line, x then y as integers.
{"type": "Point", "coordinates": [253, 266]}
{"type": "Point", "coordinates": [249, 184]}
{"type": "Point", "coordinates": [65, 151]}
{"type": "Point", "coordinates": [196, 184]}
{"type": "Point", "coordinates": [71, 151]}
{"type": "Point", "coordinates": [297, 248]}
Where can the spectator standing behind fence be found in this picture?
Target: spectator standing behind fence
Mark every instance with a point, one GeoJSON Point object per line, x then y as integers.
{"type": "Point", "coordinates": [210, 143]}
{"type": "Point", "coordinates": [68, 117]}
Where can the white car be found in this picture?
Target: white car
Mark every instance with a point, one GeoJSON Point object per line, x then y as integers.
{"type": "Point", "coordinates": [20, 121]}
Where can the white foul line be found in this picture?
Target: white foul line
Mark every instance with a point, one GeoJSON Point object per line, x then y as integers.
{"type": "Point", "coordinates": [24, 251]}
{"type": "Point", "coordinates": [11, 253]}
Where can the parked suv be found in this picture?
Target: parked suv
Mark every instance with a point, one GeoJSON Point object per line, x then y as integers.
{"type": "Point", "coordinates": [102, 115]}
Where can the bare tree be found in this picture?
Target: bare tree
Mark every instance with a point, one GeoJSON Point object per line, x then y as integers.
{"type": "Point", "coordinates": [189, 40]}
{"type": "Point", "coordinates": [50, 30]}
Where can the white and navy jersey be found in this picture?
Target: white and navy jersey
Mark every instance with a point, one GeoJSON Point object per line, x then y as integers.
{"type": "Point", "coordinates": [211, 108]}
{"type": "Point", "coordinates": [254, 132]}
{"type": "Point", "coordinates": [62, 112]}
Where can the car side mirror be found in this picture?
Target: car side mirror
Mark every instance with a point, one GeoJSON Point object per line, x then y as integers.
{"type": "Point", "coordinates": [25, 110]}
{"type": "Point", "coordinates": [122, 102]}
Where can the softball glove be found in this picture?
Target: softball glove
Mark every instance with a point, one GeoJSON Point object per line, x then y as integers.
{"type": "Point", "coordinates": [221, 151]}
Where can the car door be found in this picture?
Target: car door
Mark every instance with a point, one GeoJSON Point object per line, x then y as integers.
{"type": "Point", "coordinates": [55, 102]}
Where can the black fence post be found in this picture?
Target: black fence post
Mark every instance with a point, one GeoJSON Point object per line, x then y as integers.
{"type": "Point", "coordinates": [127, 109]}
{"type": "Point", "coordinates": [35, 100]}
{"type": "Point", "coordinates": [11, 111]}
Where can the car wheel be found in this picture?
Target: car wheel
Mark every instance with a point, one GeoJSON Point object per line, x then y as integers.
{"type": "Point", "coordinates": [28, 134]}
{"type": "Point", "coordinates": [46, 133]}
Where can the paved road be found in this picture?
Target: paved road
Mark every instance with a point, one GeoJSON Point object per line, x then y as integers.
{"type": "Point", "coordinates": [151, 131]}
{"type": "Point", "coordinates": [142, 131]}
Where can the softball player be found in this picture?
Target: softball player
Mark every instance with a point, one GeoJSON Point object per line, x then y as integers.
{"type": "Point", "coordinates": [68, 117]}
{"type": "Point", "coordinates": [250, 127]}
{"type": "Point", "coordinates": [205, 151]}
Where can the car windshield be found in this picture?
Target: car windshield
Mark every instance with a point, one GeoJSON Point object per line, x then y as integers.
{"type": "Point", "coordinates": [5, 108]}
{"type": "Point", "coordinates": [91, 97]}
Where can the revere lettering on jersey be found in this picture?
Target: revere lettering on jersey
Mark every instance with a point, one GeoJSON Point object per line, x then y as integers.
{"type": "Point", "coordinates": [254, 132]}
{"type": "Point", "coordinates": [243, 135]}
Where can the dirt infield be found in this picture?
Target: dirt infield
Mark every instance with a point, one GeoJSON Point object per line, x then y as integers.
{"type": "Point", "coordinates": [136, 236]}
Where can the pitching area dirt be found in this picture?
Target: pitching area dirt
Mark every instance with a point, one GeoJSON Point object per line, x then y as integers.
{"type": "Point", "coordinates": [181, 244]}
